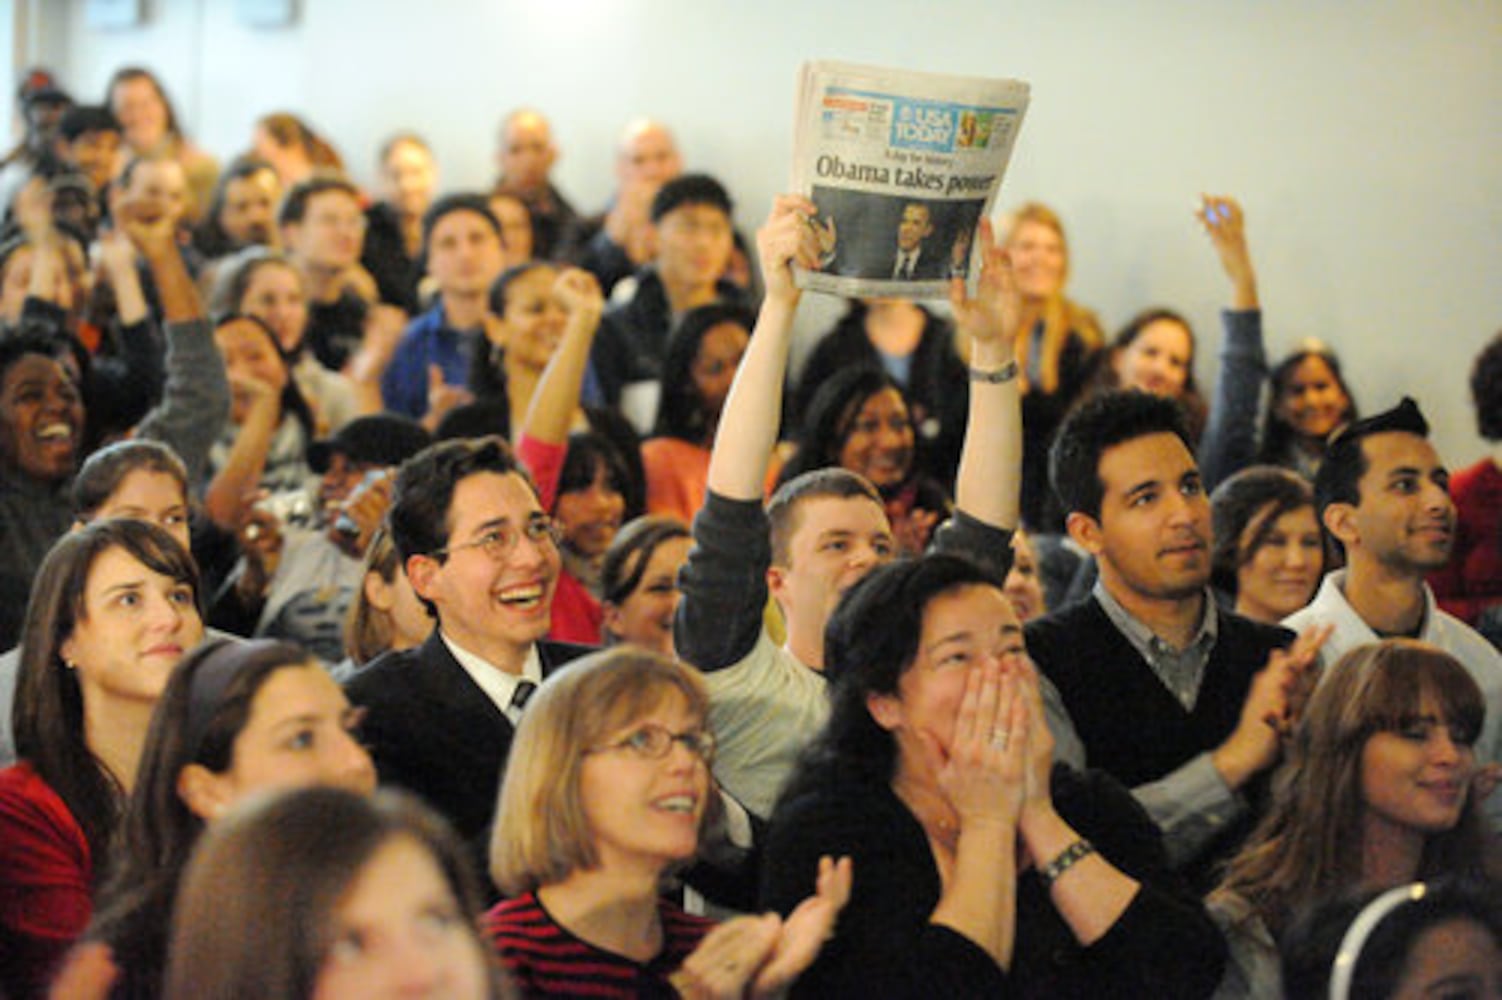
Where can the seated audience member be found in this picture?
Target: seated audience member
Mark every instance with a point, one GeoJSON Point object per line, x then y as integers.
{"type": "Point", "coordinates": [1376, 792]}
{"type": "Point", "coordinates": [263, 445]}
{"type": "Point", "coordinates": [1426, 939]}
{"type": "Point", "coordinates": [639, 582]}
{"type": "Point", "coordinates": [44, 439]}
{"type": "Point", "coordinates": [138, 479]}
{"type": "Point", "coordinates": [702, 354]}
{"type": "Point", "coordinates": [1383, 497]}
{"type": "Point", "coordinates": [1470, 586]}
{"type": "Point", "coordinates": [320, 892]}
{"type": "Point", "coordinates": [622, 239]}
{"type": "Point", "coordinates": [480, 553]}
{"type": "Point", "coordinates": [935, 775]}
{"type": "Point", "coordinates": [300, 585]}
{"type": "Point", "coordinates": [598, 805]}
{"type": "Point", "coordinates": [917, 349]}
{"type": "Point", "coordinates": [525, 155]}
{"type": "Point", "coordinates": [234, 720]}
{"type": "Point", "coordinates": [518, 235]}
{"type": "Point", "coordinates": [1308, 402]}
{"type": "Point", "coordinates": [821, 532]}
{"type": "Point", "coordinates": [114, 607]}
{"type": "Point", "coordinates": [323, 229]}
{"type": "Point", "coordinates": [88, 141]}
{"type": "Point", "coordinates": [264, 285]}
{"type": "Point", "coordinates": [534, 307]}
{"type": "Point", "coordinates": [1057, 342]}
{"type": "Point", "coordinates": [1022, 585]}
{"type": "Point", "coordinates": [150, 126]}
{"type": "Point", "coordinates": [394, 224]}
{"type": "Point", "coordinates": [158, 186]}
{"type": "Point", "coordinates": [1268, 554]}
{"type": "Point", "coordinates": [462, 249]}
{"type": "Point", "coordinates": [386, 613]}
{"type": "Point", "coordinates": [860, 420]}
{"type": "Point", "coordinates": [1149, 651]}
{"type": "Point", "coordinates": [241, 211]}
{"type": "Point", "coordinates": [293, 149]}
{"type": "Point", "coordinates": [691, 216]}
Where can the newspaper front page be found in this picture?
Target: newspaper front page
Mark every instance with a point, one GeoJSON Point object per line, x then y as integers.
{"type": "Point", "coordinates": [902, 167]}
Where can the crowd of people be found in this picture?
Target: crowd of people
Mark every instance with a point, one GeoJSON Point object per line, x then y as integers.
{"type": "Point", "coordinates": [451, 593]}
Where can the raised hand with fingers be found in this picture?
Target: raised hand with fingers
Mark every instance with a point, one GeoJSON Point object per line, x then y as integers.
{"type": "Point", "coordinates": [788, 237]}
{"type": "Point", "coordinates": [1222, 219]}
{"type": "Point", "coordinates": [807, 928]}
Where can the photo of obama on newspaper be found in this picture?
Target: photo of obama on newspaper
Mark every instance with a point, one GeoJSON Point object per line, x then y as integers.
{"type": "Point", "coordinates": [882, 237]}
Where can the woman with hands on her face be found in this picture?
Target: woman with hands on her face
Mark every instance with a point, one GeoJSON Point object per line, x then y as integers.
{"type": "Point", "coordinates": [935, 775]}
{"type": "Point", "coordinates": [607, 791]}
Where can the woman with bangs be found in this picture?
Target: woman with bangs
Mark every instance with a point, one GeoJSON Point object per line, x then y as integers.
{"type": "Point", "coordinates": [235, 719]}
{"type": "Point", "coordinates": [115, 606]}
{"type": "Point", "coordinates": [1379, 789]}
{"type": "Point", "coordinates": [1269, 554]}
{"type": "Point", "coordinates": [607, 791]}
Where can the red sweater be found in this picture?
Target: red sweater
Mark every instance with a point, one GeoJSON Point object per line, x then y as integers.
{"type": "Point", "coordinates": [1472, 581]}
{"type": "Point", "coordinates": [545, 959]}
{"type": "Point", "coordinates": [577, 615]}
{"type": "Point", "coordinates": [45, 881]}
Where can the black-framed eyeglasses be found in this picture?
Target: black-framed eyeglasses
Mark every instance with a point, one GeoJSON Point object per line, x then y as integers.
{"type": "Point", "coordinates": [498, 542]}
{"type": "Point", "coordinates": [654, 742]}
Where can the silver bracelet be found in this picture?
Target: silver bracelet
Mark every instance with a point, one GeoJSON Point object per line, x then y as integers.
{"type": "Point", "coordinates": [1051, 872]}
{"type": "Point", "coordinates": [995, 376]}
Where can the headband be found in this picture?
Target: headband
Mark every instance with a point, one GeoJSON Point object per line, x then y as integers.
{"type": "Point", "coordinates": [221, 663]}
{"type": "Point", "coordinates": [1344, 967]}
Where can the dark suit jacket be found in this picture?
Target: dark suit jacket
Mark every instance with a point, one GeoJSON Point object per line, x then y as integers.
{"type": "Point", "coordinates": [932, 263]}
{"type": "Point", "coordinates": [431, 730]}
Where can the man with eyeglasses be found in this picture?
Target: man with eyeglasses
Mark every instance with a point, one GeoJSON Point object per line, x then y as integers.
{"type": "Point", "coordinates": [481, 554]}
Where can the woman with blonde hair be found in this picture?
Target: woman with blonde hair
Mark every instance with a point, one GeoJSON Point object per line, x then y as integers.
{"type": "Point", "coordinates": [606, 791]}
{"type": "Point", "coordinates": [1376, 792]}
{"type": "Point", "coordinates": [1057, 344]}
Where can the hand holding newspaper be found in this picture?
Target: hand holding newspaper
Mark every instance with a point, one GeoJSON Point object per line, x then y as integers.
{"type": "Point", "coordinates": [902, 166]}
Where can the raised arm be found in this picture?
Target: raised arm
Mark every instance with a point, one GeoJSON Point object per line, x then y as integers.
{"type": "Point", "coordinates": [551, 411]}
{"type": "Point", "coordinates": [1230, 440]}
{"type": "Point", "coordinates": [748, 426]}
{"type": "Point", "coordinates": [195, 397]}
{"type": "Point", "coordinates": [544, 432]}
{"type": "Point", "coordinates": [990, 473]}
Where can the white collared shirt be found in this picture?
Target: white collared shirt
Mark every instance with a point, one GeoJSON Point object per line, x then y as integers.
{"type": "Point", "coordinates": [499, 685]}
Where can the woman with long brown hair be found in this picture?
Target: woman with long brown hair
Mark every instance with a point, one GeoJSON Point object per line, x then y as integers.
{"type": "Point", "coordinates": [1376, 792]}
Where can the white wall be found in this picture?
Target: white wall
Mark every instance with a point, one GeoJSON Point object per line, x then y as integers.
{"type": "Point", "coordinates": [1364, 138]}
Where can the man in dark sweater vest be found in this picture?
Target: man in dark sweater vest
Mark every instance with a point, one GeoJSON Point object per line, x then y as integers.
{"type": "Point", "coordinates": [1180, 701]}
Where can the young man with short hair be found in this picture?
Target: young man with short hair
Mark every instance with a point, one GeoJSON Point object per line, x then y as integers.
{"type": "Point", "coordinates": [1384, 497]}
{"type": "Point", "coordinates": [1180, 701]}
{"type": "Point", "coordinates": [821, 532]}
{"type": "Point", "coordinates": [695, 236]}
{"type": "Point", "coordinates": [323, 230]}
{"type": "Point", "coordinates": [461, 242]}
{"type": "Point", "coordinates": [480, 553]}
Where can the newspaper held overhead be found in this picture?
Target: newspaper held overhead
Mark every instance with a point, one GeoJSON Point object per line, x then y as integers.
{"type": "Point", "coordinates": [902, 167]}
